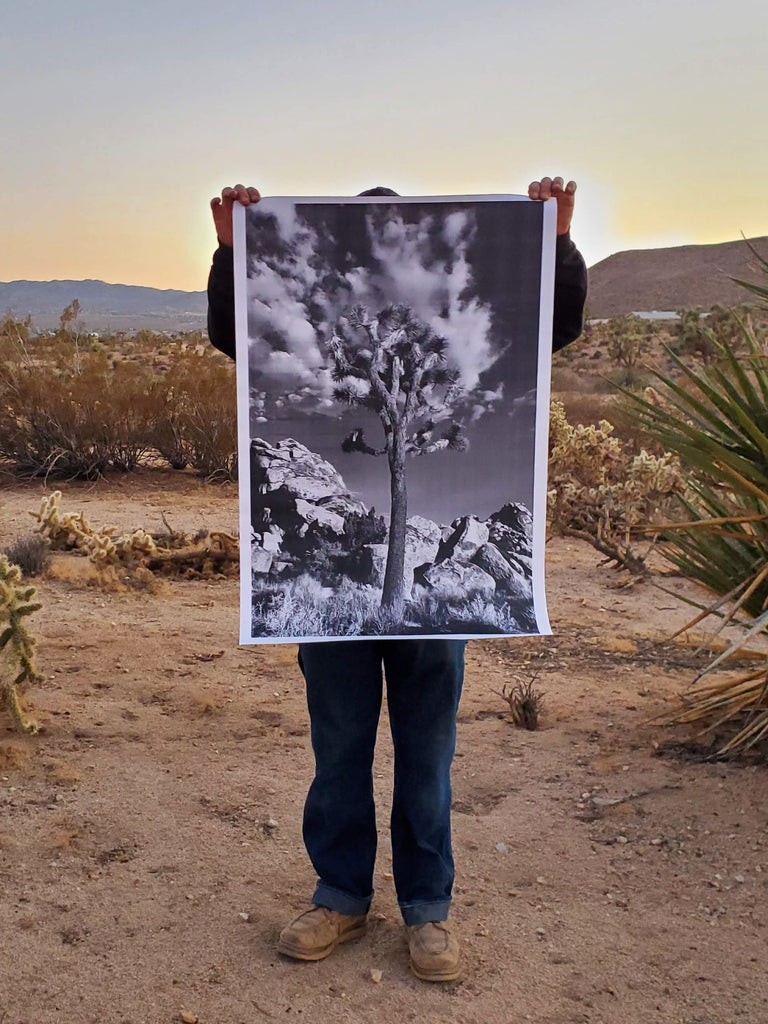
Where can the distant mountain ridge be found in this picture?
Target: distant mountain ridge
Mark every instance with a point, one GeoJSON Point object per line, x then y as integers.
{"type": "Point", "coordinates": [105, 306]}
{"type": "Point", "coordinates": [683, 276]}
{"type": "Point", "coordinates": [680, 277]}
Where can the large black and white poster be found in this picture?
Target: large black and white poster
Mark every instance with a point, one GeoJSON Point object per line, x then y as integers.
{"type": "Point", "coordinates": [393, 394]}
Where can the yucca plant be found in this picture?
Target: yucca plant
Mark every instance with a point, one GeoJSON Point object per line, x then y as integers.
{"type": "Point", "coordinates": [762, 263]}
{"type": "Point", "coordinates": [716, 420]}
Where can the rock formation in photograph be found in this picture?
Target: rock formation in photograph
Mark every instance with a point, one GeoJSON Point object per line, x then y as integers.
{"type": "Point", "coordinates": [306, 521]}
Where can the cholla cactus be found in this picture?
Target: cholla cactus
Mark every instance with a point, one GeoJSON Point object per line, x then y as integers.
{"type": "Point", "coordinates": [206, 554]}
{"type": "Point", "coordinates": [65, 530]}
{"type": "Point", "coordinates": [69, 531]}
{"type": "Point", "coordinates": [17, 647]}
{"type": "Point", "coordinates": [599, 492]}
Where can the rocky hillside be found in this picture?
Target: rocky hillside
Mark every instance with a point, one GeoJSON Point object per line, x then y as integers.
{"type": "Point", "coordinates": [684, 276]}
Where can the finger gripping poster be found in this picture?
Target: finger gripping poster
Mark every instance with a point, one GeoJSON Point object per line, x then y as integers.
{"type": "Point", "coordinates": [393, 360]}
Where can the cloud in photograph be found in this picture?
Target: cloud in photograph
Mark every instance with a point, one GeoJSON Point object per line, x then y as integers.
{"type": "Point", "coordinates": [304, 275]}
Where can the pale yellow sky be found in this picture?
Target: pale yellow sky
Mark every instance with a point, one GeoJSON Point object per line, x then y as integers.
{"type": "Point", "coordinates": [122, 122]}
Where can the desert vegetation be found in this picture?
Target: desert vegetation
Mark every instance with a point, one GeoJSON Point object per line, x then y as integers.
{"type": "Point", "coordinates": [658, 439]}
{"type": "Point", "coordinates": [74, 406]}
{"type": "Point", "coordinates": [77, 406]}
{"type": "Point", "coordinates": [715, 418]}
{"type": "Point", "coordinates": [600, 490]}
{"type": "Point", "coordinates": [17, 645]}
{"type": "Point", "coordinates": [138, 553]}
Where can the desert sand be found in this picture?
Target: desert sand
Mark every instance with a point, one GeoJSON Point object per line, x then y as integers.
{"type": "Point", "coordinates": [150, 835]}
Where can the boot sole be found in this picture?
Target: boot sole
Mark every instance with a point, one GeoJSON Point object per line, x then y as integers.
{"type": "Point", "coordinates": [320, 954]}
{"type": "Point", "coordinates": [448, 975]}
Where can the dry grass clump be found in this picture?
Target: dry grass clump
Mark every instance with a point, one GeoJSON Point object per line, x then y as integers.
{"type": "Point", "coordinates": [524, 704]}
{"type": "Point", "coordinates": [32, 554]}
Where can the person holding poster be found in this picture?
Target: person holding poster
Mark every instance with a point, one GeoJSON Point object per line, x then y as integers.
{"type": "Point", "coordinates": [344, 695]}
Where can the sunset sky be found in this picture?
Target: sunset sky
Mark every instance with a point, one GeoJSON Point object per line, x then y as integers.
{"type": "Point", "coordinates": [121, 120]}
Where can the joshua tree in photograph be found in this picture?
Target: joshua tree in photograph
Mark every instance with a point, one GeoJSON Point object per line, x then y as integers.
{"type": "Point", "coordinates": [395, 365]}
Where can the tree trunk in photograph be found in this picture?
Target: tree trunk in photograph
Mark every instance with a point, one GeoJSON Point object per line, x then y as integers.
{"type": "Point", "coordinates": [393, 593]}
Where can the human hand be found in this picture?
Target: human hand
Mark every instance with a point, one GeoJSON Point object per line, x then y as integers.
{"type": "Point", "coordinates": [222, 209]}
{"type": "Point", "coordinates": [553, 188]}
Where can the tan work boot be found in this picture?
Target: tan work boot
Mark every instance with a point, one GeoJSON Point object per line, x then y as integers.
{"type": "Point", "coordinates": [317, 932]}
{"type": "Point", "coordinates": [434, 951]}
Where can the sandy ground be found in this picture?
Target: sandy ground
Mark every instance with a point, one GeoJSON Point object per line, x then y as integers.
{"type": "Point", "coordinates": [150, 836]}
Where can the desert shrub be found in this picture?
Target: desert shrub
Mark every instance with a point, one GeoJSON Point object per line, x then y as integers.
{"type": "Point", "coordinates": [30, 553]}
{"type": "Point", "coordinates": [701, 335]}
{"type": "Point", "coordinates": [73, 414]}
{"type": "Point", "coordinates": [15, 336]}
{"type": "Point", "coordinates": [210, 553]}
{"type": "Point", "coordinates": [599, 490]}
{"type": "Point", "coordinates": [72, 408]}
{"type": "Point", "coordinates": [168, 438]}
{"type": "Point", "coordinates": [524, 703]}
{"type": "Point", "coordinates": [66, 531]}
{"type": "Point", "coordinates": [627, 342]}
{"type": "Point", "coordinates": [588, 408]}
{"type": "Point", "coordinates": [727, 324]}
{"type": "Point", "coordinates": [569, 381]}
{"type": "Point", "coordinates": [690, 337]}
{"type": "Point", "coordinates": [133, 402]}
{"type": "Point", "coordinates": [198, 422]}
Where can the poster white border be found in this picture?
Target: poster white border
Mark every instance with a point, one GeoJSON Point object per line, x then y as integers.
{"type": "Point", "coordinates": [544, 363]}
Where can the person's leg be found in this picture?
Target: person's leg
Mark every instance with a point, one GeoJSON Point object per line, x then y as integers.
{"type": "Point", "coordinates": [344, 688]}
{"type": "Point", "coordinates": [424, 680]}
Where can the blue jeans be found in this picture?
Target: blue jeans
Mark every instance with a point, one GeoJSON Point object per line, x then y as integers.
{"type": "Point", "coordinates": [344, 692]}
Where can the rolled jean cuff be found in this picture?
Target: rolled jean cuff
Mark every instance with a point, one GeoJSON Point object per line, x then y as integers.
{"type": "Point", "coordinates": [341, 902]}
{"type": "Point", "coordinates": [421, 913]}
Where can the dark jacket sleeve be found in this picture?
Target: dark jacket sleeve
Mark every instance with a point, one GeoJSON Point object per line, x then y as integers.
{"type": "Point", "coordinates": [221, 301]}
{"type": "Point", "coordinates": [570, 293]}
{"type": "Point", "coordinates": [568, 322]}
